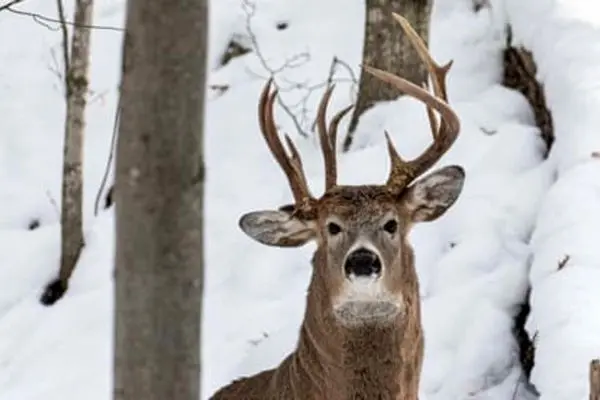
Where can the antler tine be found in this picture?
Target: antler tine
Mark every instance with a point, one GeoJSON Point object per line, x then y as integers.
{"type": "Point", "coordinates": [448, 115]}
{"type": "Point", "coordinates": [333, 125]}
{"type": "Point", "coordinates": [296, 161]}
{"type": "Point", "coordinates": [448, 131]}
{"type": "Point", "coordinates": [328, 137]}
{"type": "Point", "coordinates": [402, 173]}
{"type": "Point", "coordinates": [292, 167]}
{"type": "Point", "coordinates": [437, 72]}
{"type": "Point", "coordinates": [327, 147]}
{"type": "Point", "coordinates": [444, 134]}
{"type": "Point", "coordinates": [433, 126]}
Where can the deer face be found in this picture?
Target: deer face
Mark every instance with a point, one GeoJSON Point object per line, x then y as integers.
{"type": "Point", "coordinates": [361, 234]}
{"type": "Point", "coordinates": [363, 265]}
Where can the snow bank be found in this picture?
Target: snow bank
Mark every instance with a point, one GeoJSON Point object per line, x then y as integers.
{"type": "Point", "coordinates": [564, 37]}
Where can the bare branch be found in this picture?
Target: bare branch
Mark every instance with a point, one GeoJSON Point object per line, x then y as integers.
{"type": "Point", "coordinates": [344, 64]}
{"type": "Point", "coordinates": [111, 155]}
{"type": "Point", "coordinates": [298, 111]}
{"type": "Point", "coordinates": [65, 43]}
{"type": "Point", "coordinates": [10, 4]}
{"type": "Point", "coordinates": [53, 203]}
{"type": "Point", "coordinates": [42, 20]}
{"type": "Point", "coordinates": [330, 80]}
{"type": "Point", "coordinates": [563, 262]}
{"type": "Point", "coordinates": [294, 62]}
{"type": "Point", "coordinates": [54, 67]}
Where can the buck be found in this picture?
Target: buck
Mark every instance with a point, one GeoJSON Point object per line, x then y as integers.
{"type": "Point", "coordinates": [361, 337]}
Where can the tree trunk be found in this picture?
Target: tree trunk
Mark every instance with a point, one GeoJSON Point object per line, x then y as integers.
{"type": "Point", "coordinates": [595, 380]}
{"type": "Point", "coordinates": [159, 200]}
{"type": "Point", "coordinates": [387, 47]}
{"type": "Point", "coordinates": [76, 86]}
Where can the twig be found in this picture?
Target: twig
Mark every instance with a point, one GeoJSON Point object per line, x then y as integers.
{"type": "Point", "coordinates": [516, 389]}
{"type": "Point", "coordinates": [65, 37]}
{"type": "Point", "coordinates": [10, 4]}
{"type": "Point", "coordinates": [65, 45]}
{"type": "Point", "coordinates": [111, 154]}
{"type": "Point", "coordinates": [294, 62]}
{"type": "Point", "coordinates": [53, 203]}
{"type": "Point", "coordinates": [250, 9]}
{"type": "Point", "coordinates": [55, 66]}
{"type": "Point", "coordinates": [39, 18]}
{"type": "Point", "coordinates": [350, 72]}
{"type": "Point", "coordinates": [563, 262]}
{"type": "Point", "coordinates": [332, 69]}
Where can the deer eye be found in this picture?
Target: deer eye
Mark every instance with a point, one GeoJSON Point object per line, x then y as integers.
{"type": "Point", "coordinates": [391, 226]}
{"type": "Point", "coordinates": [333, 228]}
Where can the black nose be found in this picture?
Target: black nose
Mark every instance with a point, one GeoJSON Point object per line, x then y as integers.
{"type": "Point", "coordinates": [362, 262]}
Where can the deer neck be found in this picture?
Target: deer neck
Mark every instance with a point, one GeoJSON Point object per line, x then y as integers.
{"type": "Point", "coordinates": [373, 361]}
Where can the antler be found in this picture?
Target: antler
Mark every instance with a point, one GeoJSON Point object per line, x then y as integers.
{"type": "Point", "coordinates": [328, 138]}
{"type": "Point", "coordinates": [403, 172]}
{"type": "Point", "coordinates": [291, 166]}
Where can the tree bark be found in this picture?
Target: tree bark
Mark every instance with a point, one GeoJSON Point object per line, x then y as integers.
{"type": "Point", "coordinates": [76, 87]}
{"type": "Point", "coordinates": [387, 47]}
{"type": "Point", "coordinates": [595, 380]}
{"type": "Point", "coordinates": [159, 200]}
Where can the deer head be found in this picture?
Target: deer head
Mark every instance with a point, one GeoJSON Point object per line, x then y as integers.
{"type": "Point", "coordinates": [363, 259]}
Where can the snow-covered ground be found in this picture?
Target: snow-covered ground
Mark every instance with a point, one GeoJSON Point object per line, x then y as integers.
{"type": "Point", "coordinates": [475, 263]}
{"type": "Point", "coordinates": [565, 320]}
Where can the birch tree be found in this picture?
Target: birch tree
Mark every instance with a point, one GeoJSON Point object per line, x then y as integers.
{"type": "Point", "coordinates": [159, 200]}
{"type": "Point", "coordinates": [76, 63]}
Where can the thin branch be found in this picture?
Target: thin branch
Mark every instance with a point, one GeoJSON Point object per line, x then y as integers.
{"type": "Point", "coordinates": [353, 78]}
{"type": "Point", "coordinates": [331, 71]}
{"type": "Point", "coordinates": [111, 155]}
{"type": "Point", "coordinates": [564, 261]}
{"type": "Point", "coordinates": [10, 4]}
{"type": "Point", "coordinates": [65, 38]}
{"type": "Point", "coordinates": [516, 389]}
{"type": "Point", "coordinates": [55, 66]}
{"type": "Point", "coordinates": [53, 203]}
{"type": "Point", "coordinates": [65, 45]}
{"type": "Point", "coordinates": [294, 62]}
{"type": "Point", "coordinates": [328, 82]}
{"type": "Point", "coordinates": [284, 85]}
{"type": "Point", "coordinates": [42, 19]}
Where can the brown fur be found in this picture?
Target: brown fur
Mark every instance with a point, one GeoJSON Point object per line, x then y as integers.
{"type": "Point", "coordinates": [333, 362]}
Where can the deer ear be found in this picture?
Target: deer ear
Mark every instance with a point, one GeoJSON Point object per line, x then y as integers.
{"type": "Point", "coordinates": [277, 228]}
{"type": "Point", "coordinates": [429, 197]}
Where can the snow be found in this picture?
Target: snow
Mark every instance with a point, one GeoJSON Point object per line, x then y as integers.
{"type": "Point", "coordinates": [475, 263]}
{"type": "Point", "coordinates": [565, 320]}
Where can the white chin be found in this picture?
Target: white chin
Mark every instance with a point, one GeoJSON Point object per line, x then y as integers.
{"type": "Point", "coordinates": [361, 313]}
{"type": "Point", "coordinates": [366, 301]}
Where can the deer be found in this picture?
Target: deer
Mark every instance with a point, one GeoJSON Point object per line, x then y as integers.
{"type": "Point", "coordinates": [361, 336]}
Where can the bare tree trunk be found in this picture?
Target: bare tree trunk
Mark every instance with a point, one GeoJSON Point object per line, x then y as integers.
{"type": "Point", "coordinates": [76, 86]}
{"type": "Point", "coordinates": [387, 47]}
{"type": "Point", "coordinates": [159, 200]}
{"type": "Point", "coordinates": [595, 380]}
